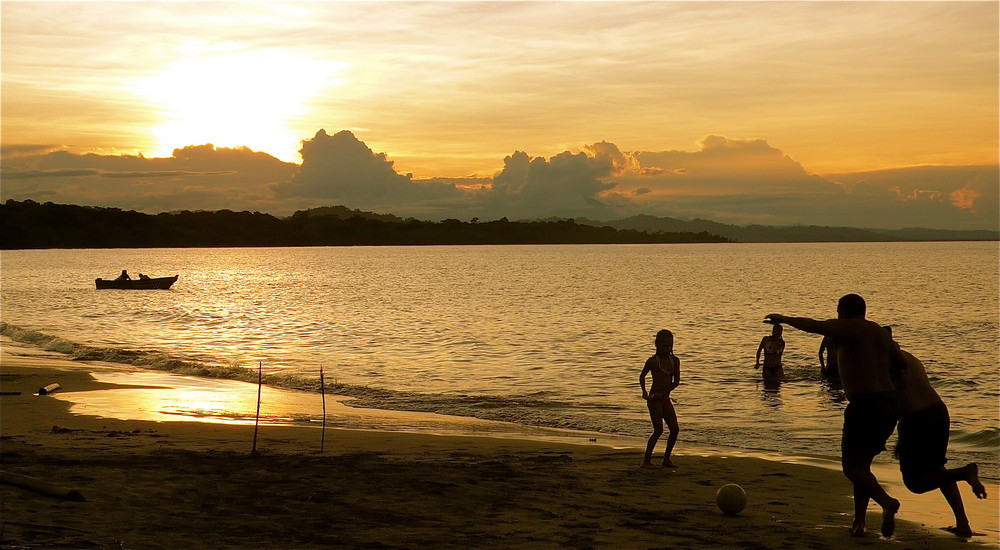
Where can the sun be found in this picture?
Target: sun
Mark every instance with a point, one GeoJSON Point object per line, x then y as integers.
{"type": "Point", "coordinates": [250, 99]}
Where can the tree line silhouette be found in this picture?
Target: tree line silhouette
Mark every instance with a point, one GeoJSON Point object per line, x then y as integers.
{"type": "Point", "coordinates": [29, 224]}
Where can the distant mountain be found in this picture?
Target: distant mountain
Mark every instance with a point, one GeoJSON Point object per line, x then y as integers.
{"type": "Point", "coordinates": [793, 233]}
{"type": "Point", "coordinates": [346, 213]}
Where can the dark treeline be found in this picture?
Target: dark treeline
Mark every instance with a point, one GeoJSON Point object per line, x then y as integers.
{"type": "Point", "coordinates": [28, 224]}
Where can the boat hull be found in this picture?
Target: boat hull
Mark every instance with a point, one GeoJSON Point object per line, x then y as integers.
{"type": "Point", "coordinates": [158, 283]}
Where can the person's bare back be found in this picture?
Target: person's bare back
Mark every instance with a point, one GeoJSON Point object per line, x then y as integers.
{"type": "Point", "coordinates": [864, 352]}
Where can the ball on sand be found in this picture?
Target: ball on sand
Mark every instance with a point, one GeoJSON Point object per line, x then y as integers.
{"type": "Point", "coordinates": [731, 498]}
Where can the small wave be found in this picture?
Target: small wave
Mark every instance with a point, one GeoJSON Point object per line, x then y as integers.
{"type": "Point", "coordinates": [536, 409]}
{"type": "Point", "coordinates": [980, 439]}
{"type": "Point", "coordinates": [942, 382]}
{"type": "Point", "coordinates": [152, 360]}
{"type": "Point", "coordinates": [35, 338]}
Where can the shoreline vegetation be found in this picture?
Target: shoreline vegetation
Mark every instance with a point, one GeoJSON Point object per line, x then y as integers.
{"type": "Point", "coordinates": [181, 484]}
{"type": "Point", "coordinates": [29, 225]}
{"type": "Point", "coordinates": [32, 225]}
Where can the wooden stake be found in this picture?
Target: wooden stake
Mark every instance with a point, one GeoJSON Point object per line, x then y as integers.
{"type": "Point", "coordinates": [322, 391]}
{"type": "Point", "coordinates": [256, 424]}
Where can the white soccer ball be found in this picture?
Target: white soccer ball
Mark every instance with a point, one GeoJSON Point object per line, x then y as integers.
{"type": "Point", "coordinates": [731, 499]}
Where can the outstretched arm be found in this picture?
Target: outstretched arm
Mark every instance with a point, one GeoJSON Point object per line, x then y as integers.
{"type": "Point", "coordinates": [826, 328]}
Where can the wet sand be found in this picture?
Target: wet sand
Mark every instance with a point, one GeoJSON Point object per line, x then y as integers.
{"type": "Point", "coordinates": [384, 479]}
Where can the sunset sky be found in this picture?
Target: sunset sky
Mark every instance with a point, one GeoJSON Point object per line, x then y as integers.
{"type": "Point", "coordinates": [878, 114]}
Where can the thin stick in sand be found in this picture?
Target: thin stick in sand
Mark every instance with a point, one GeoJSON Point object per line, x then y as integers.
{"type": "Point", "coordinates": [256, 424]}
{"type": "Point", "coordinates": [322, 392]}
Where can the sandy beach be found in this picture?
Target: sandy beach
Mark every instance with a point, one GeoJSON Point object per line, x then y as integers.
{"type": "Point", "coordinates": [148, 483]}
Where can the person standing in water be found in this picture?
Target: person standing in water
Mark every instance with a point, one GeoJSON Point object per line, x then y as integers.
{"type": "Point", "coordinates": [665, 369]}
{"type": "Point", "coordinates": [828, 368]}
{"type": "Point", "coordinates": [867, 354]}
{"type": "Point", "coordinates": [923, 432]}
{"type": "Point", "coordinates": [773, 346]}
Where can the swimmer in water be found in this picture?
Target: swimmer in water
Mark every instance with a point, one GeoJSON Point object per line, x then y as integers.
{"type": "Point", "coordinates": [773, 346]}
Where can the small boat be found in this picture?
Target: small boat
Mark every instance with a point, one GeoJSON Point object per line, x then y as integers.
{"type": "Point", "coordinates": [162, 283]}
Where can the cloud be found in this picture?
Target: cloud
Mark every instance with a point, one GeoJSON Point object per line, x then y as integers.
{"type": "Point", "coordinates": [55, 173]}
{"type": "Point", "coordinates": [72, 173]}
{"type": "Point", "coordinates": [724, 179]}
{"type": "Point", "coordinates": [537, 187]}
{"type": "Point", "coordinates": [8, 151]}
{"type": "Point", "coordinates": [194, 178]}
{"type": "Point", "coordinates": [961, 196]}
{"type": "Point", "coordinates": [611, 153]}
{"type": "Point", "coordinates": [341, 169]}
{"type": "Point", "coordinates": [724, 165]}
{"type": "Point", "coordinates": [965, 198]}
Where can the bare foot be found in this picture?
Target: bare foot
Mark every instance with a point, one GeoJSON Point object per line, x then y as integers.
{"type": "Point", "coordinates": [964, 531]}
{"type": "Point", "coordinates": [649, 465]}
{"type": "Point", "coordinates": [889, 518]}
{"type": "Point", "coordinates": [972, 476]}
{"type": "Point", "coordinates": [669, 463]}
{"type": "Point", "coordinates": [858, 529]}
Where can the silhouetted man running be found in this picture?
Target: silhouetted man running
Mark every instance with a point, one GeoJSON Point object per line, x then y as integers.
{"type": "Point", "coordinates": [865, 353]}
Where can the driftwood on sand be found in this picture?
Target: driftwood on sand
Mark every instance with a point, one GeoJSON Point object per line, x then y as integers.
{"type": "Point", "coordinates": [45, 390]}
{"type": "Point", "coordinates": [40, 486]}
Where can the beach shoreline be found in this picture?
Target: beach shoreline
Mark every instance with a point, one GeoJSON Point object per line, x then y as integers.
{"type": "Point", "coordinates": [430, 482]}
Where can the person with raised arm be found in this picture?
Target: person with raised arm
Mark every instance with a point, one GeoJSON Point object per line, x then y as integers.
{"type": "Point", "coordinates": [866, 354]}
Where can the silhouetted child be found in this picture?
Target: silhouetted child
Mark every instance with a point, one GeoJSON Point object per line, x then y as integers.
{"type": "Point", "coordinates": [665, 369]}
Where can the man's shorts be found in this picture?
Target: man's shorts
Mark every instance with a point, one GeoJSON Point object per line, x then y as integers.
{"type": "Point", "coordinates": [869, 420]}
{"type": "Point", "coordinates": [923, 439]}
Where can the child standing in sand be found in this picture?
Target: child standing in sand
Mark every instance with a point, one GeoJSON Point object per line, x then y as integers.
{"type": "Point", "coordinates": [665, 369]}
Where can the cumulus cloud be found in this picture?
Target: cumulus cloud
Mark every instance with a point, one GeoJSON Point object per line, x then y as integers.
{"type": "Point", "coordinates": [610, 152]}
{"type": "Point", "coordinates": [726, 180]}
{"type": "Point", "coordinates": [537, 187]}
{"type": "Point", "coordinates": [342, 169]}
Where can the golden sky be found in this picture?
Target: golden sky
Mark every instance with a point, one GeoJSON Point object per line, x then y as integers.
{"type": "Point", "coordinates": [450, 88]}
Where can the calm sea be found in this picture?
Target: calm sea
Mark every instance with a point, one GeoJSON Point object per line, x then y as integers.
{"type": "Point", "coordinates": [541, 335]}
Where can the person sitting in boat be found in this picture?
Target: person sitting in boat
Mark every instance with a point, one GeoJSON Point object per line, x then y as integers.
{"type": "Point", "coordinates": [124, 276]}
{"type": "Point", "coordinates": [143, 277]}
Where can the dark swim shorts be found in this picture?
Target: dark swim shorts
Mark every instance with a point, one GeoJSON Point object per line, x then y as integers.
{"type": "Point", "coordinates": [923, 439]}
{"type": "Point", "coordinates": [869, 420]}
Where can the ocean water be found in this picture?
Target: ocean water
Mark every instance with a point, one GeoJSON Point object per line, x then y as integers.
{"type": "Point", "coordinates": [540, 335]}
